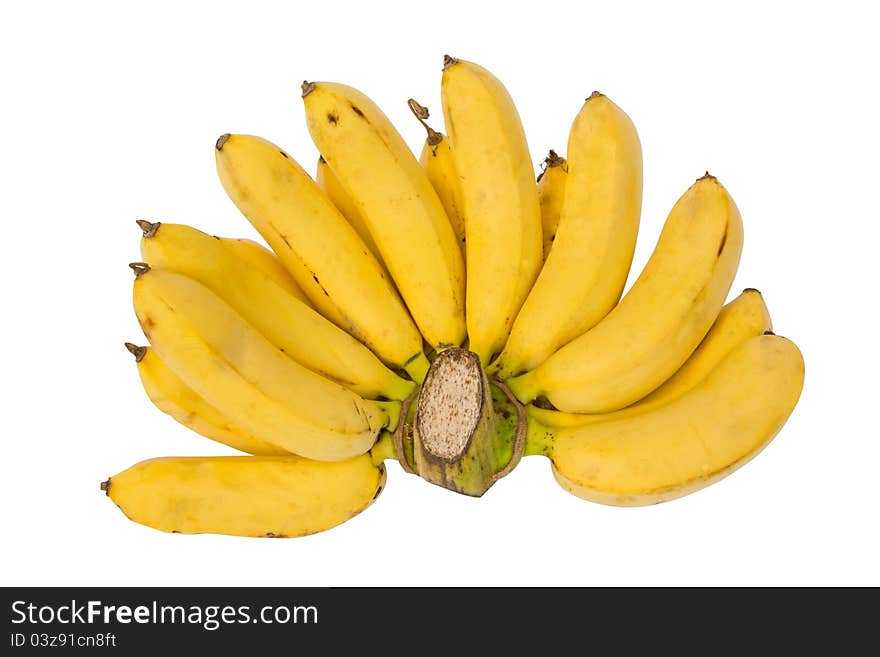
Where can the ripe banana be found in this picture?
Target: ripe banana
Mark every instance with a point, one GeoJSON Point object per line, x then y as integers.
{"type": "Point", "coordinates": [258, 257]}
{"type": "Point", "coordinates": [499, 199]}
{"type": "Point", "coordinates": [688, 443]}
{"type": "Point", "coordinates": [402, 210]}
{"type": "Point", "coordinates": [743, 318]}
{"type": "Point", "coordinates": [173, 397]}
{"type": "Point", "coordinates": [319, 247]}
{"type": "Point", "coordinates": [551, 193]}
{"type": "Point", "coordinates": [270, 496]}
{"type": "Point", "coordinates": [292, 326]}
{"type": "Point", "coordinates": [660, 321]}
{"type": "Point", "coordinates": [328, 181]}
{"type": "Point", "coordinates": [587, 267]}
{"type": "Point", "coordinates": [227, 362]}
{"type": "Point", "coordinates": [436, 158]}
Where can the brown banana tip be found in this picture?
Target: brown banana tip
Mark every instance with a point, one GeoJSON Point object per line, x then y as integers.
{"type": "Point", "coordinates": [222, 139]}
{"type": "Point", "coordinates": [139, 268]}
{"type": "Point", "coordinates": [136, 351]}
{"type": "Point", "coordinates": [448, 61]}
{"type": "Point", "coordinates": [307, 88]}
{"type": "Point", "coordinates": [553, 159]}
{"type": "Point", "coordinates": [321, 159]}
{"type": "Point", "coordinates": [595, 94]}
{"type": "Point", "coordinates": [149, 228]}
{"type": "Point", "coordinates": [105, 486]}
{"type": "Point", "coordinates": [707, 176]}
{"type": "Point", "coordinates": [769, 332]}
{"type": "Point", "coordinates": [752, 289]}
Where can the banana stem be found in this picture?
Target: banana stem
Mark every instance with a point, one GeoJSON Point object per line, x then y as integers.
{"type": "Point", "coordinates": [383, 450]}
{"type": "Point", "coordinates": [417, 367]}
{"type": "Point", "coordinates": [402, 438]}
{"type": "Point", "coordinates": [392, 410]}
{"type": "Point", "coordinates": [421, 113]}
{"type": "Point", "coordinates": [455, 428]}
{"type": "Point", "coordinates": [539, 439]}
{"type": "Point", "coordinates": [518, 440]}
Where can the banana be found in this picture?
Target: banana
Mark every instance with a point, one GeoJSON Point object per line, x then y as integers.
{"type": "Point", "coordinates": [402, 210]}
{"type": "Point", "coordinates": [328, 181]}
{"type": "Point", "coordinates": [436, 158]}
{"type": "Point", "coordinates": [289, 324]}
{"type": "Point", "coordinates": [659, 322]}
{"type": "Point", "coordinates": [688, 443]}
{"type": "Point", "coordinates": [267, 496]}
{"type": "Point", "coordinates": [258, 257]}
{"type": "Point", "coordinates": [499, 198]}
{"type": "Point", "coordinates": [743, 318]}
{"type": "Point", "coordinates": [551, 193]}
{"type": "Point", "coordinates": [173, 397]}
{"type": "Point", "coordinates": [319, 247]}
{"type": "Point", "coordinates": [587, 267]}
{"type": "Point", "coordinates": [227, 362]}
{"type": "Point", "coordinates": [255, 256]}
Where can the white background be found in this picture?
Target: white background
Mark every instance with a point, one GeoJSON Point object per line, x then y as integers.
{"type": "Point", "coordinates": [110, 112]}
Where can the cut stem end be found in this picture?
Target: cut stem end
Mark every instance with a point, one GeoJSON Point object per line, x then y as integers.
{"type": "Point", "coordinates": [454, 436]}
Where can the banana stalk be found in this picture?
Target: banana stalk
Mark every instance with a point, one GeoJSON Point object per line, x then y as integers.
{"type": "Point", "coordinates": [458, 440]}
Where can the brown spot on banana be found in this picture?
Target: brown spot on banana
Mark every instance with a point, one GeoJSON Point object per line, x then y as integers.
{"type": "Point", "coordinates": [723, 240]}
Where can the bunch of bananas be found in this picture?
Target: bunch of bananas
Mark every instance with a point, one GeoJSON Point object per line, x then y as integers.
{"type": "Point", "coordinates": [449, 313]}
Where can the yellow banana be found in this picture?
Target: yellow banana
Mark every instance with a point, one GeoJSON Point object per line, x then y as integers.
{"type": "Point", "coordinates": [271, 496]}
{"type": "Point", "coordinates": [587, 267]}
{"type": "Point", "coordinates": [289, 324]}
{"type": "Point", "coordinates": [500, 201]}
{"type": "Point", "coordinates": [227, 362]}
{"type": "Point", "coordinates": [328, 181]}
{"type": "Point", "coordinates": [402, 210]}
{"type": "Point", "coordinates": [743, 318]}
{"type": "Point", "coordinates": [255, 256]}
{"type": "Point", "coordinates": [436, 158]}
{"type": "Point", "coordinates": [660, 321]}
{"type": "Point", "coordinates": [173, 397]}
{"type": "Point", "coordinates": [688, 443]}
{"type": "Point", "coordinates": [319, 247]}
{"type": "Point", "coordinates": [551, 193]}
{"type": "Point", "coordinates": [258, 257]}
